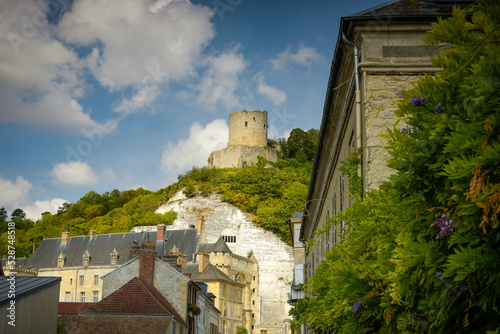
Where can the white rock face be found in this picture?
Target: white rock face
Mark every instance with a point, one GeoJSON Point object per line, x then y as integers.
{"type": "Point", "coordinates": [274, 256]}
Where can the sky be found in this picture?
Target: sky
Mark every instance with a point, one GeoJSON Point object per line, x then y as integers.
{"type": "Point", "coordinates": [101, 95]}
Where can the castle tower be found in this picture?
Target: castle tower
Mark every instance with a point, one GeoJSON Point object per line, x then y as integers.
{"type": "Point", "coordinates": [248, 128]}
{"type": "Point", "coordinates": [247, 141]}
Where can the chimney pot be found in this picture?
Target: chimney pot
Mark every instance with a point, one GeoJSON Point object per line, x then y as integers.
{"type": "Point", "coordinates": [160, 233]}
{"type": "Point", "coordinates": [64, 237]}
{"type": "Point", "coordinates": [201, 221]}
{"type": "Point", "coordinates": [92, 233]}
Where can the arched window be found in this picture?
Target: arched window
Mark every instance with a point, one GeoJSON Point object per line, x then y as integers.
{"type": "Point", "coordinates": [246, 124]}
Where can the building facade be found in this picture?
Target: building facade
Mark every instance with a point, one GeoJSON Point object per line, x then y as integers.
{"type": "Point", "coordinates": [379, 53]}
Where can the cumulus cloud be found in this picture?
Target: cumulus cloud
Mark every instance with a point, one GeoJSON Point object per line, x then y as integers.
{"type": "Point", "coordinates": [304, 56]}
{"type": "Point", "coordinates": [194, 151]}
{"type": "Point", "coordinates": [138, 43]}
{"type": "Point", "coordinates": [276, 95]}
{"type": "Point", "coordinates": [40, 78]}
{"type": "Point", "coordinates": [221, 80]}
{"type": "Point", "coordinates": [74, 173]}
{"type": "Point", "coordinates": [34, 210]}
{"type": "Point", "coordinates": [144, 97]}
{"type": "Point", "coordinates": [14, 195]}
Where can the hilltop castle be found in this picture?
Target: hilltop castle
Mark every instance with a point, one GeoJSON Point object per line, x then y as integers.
{"type": "Point", "coordinates": [247, 140]}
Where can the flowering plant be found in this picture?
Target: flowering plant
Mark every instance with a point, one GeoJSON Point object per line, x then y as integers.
{"type": "Point", "coordinates": [194, 309]}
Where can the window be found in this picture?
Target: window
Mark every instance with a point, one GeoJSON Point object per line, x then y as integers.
{"type": "Point", "coordinates": [82, 280]}
{"type": "Point", "coordinates": [181, 329]}
{"type": "Point", "coordinates": [96, 296]}
{"type": "Point", "coordinates": [68, 296]}
{"type": "Point", "coordinates": [342, 199]}
{"type": "Point", "coordinates": [86, 259]}
{"type": "Point", "coordinates": [173, 331]}
{"type": "Point", "coordinates": [82, 297]}
{"type": "Point", "coordinates": [229, 238]}
{"type": "Point", "coordinates": [114, 256]}
{"type": "Point", "coordinates": [70, 281]}
{"type": "Point", "coordinates": [96, 279]}
{"type": "Point", "coordinates": [246, 124]}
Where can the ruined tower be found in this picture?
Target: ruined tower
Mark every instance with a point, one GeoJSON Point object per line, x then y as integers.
{"type": "Point", "coordinates": [247, 140]}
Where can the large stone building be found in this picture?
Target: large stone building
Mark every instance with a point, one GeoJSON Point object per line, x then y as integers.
{"type": "Point", "coordinates": [247, 141]}
{"type": "Point", "coordinates": [379, 52]}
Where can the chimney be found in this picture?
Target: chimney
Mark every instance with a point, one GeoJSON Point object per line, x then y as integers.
{"type": "Point", "coordinates": [92, 234]}
{"type": "Point", "coordinates": [176, 259]}
{"type": "Point", "coordinates": [147, 262]}
{"type": "Point", "coordinates": [203, 259]}
{"type": "Point", "coordinates": [134, 250]}
{"type": "Point", "coordinates": [34, 247]}
{"type": "Point", "coordinates": [160, 232]}
{"type": "Point", "coordinates": [64, 237]}
{"type": "Point", "coordinates": [201, 221]}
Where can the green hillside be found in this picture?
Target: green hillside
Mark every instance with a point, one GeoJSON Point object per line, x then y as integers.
{"type": "Point", "coordinates": [270, 192]}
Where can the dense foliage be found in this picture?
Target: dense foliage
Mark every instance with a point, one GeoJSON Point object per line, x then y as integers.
{"type": "Point", "coordinates": [422, 253]}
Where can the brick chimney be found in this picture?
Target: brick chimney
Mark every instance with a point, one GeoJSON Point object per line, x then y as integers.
{"type": "Point", "coordinates": [92, 234]}
{"type": "Point", "coordinates": [147, 262]}
{"type": "Point", "coordinates": [203, 259]}
{"type": "Point", "coordinates": [160, 232]}
{"type": "Point", "coordinates": [64, 237]}
{"type": "Point", "coordinates": [135, 250]}
{"type": "Point", "coordinates": [201, 221]}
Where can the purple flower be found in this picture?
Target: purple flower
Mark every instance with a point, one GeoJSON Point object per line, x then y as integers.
{"type": "Point", "coordinates": [356, 307]}
{"type": "Point", "coordinates": [419, 101]}
{"type": "Point", "coordinates": [439, 108]}
{"type": "Point", "coordinates": [446, 225]}
{"type": "Point", "coordinates": [439, 275]}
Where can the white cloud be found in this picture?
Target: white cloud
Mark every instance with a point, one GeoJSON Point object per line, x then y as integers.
{"type": "Point", "coordinates": [144, 97]}
{"type": "Point", "coordinates": [194, 151]}
{"type": "Point", "coordinates": [34, 210]}
{"type": "Point", "coordinates": [40, 78]}
{"type": "Point", "coordinates": [221, 80]}
{"type": "Point", "coordinates": [304, 56]}
{"type": "Point", "coordinates": [139, 42]}
{"type": "Point", "coordinates": [274, 94]}
{"type": "Point", "coordinates": [15, 195]}
{"type": "Point", "coordinates": [74, 173]}
{"type": "Point", "coordinates": [136, 44]}
{"type": "Point", "coordinates": [12, 194]}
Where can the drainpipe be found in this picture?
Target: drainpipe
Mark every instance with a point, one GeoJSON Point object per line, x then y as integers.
{"type": "Point", "coordinates": [358, 95]}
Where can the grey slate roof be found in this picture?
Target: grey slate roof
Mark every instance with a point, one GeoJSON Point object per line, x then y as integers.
{"type": "Point", "coordinates": [409, 8]}
{"type": "Point", "coordinates": [101, 246]}
{"type": "Point", "coordinates": [185, 240]}
{"type": "Point", "coordinates": [24, 286]}
{"type": "Point", "coordinates": [209, 273]}
{"type": "Point", "coordinates": [219, 246]}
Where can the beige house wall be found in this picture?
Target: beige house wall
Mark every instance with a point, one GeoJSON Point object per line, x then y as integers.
{"type": "Point", "coordinates": [70, 281]}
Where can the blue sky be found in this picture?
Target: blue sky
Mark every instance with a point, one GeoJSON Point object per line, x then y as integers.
{"type": "Point", "coordinates": [102, 95]}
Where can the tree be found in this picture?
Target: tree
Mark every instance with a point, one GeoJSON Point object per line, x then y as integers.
{"type": "Point", "coordinates": [241, 330]}
{"type": "Point", "coordinates": [422, 252]}
{"type": "Point", "coordinates": [18, 214]}
{"type": "Point", "coordinates": [299, 141]}
{"type": "Point", "coordinates": [3, 215]}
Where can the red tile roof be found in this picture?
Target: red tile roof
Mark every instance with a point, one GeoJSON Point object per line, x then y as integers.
{"type": "Point", "coordinates": [73, 308]}
{"type": "Point", "coordinates": [137, 297]}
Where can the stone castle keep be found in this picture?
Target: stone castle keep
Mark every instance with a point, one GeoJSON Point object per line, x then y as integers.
{"type": "Point", "coordinates": [247, 140]}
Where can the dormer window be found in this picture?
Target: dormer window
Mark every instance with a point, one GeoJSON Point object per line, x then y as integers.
{"type": "Point", "coordinates": [60, 260]}
{"type": "Point", "coordinates": [86, 259]}
{"type": "Point", "coordinates": [114, 257]}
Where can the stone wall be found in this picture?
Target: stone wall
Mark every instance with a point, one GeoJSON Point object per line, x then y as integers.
{"type": "Point", "coordinates": [380, 95]}
{"type": "Point", "coordinates": [248, 128]}
{"type": "Point", "coordinates": [236, 156]}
